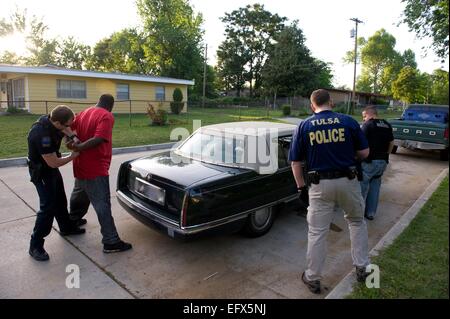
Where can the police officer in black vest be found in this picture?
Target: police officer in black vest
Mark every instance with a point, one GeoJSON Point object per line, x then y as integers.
{"type": "Point", "coordinates": [44, 158]}
{"type": "Point", "coordinates": [330, 143]}
{"type": "Point", "coordinates": [381, 141]}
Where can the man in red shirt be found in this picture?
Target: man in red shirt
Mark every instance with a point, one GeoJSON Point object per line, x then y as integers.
{"type": "Point", "coordinates": [93, 129]}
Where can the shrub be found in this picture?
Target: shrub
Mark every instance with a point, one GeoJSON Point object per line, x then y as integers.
{"type": "Point", "coordinates": [15, 110]}
{"type": "Point", "coordinates": [379, 101]}
{"type": "Point", "coordinates": [163, 116]}
{"type": "Point", "coordinates": [286, 109]}
{"type": "Point", "coordinates": [177, 95]}
{"type": "Point", "coordinates": [177, 105]}
{"type": "Point", "coordinates": [158, 117]}
{"type": "Point", "coordinates": [303, 111]}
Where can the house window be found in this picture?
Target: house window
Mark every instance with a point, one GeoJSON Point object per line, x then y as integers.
{"type": "Point", "coordinates": [18, 93]}
{"type": "Point", "coordinates": [123, 91]}
{"type": "Point", "coordinates": [70, 89]}
{"type": "Point", "coordinates": [160, 93]}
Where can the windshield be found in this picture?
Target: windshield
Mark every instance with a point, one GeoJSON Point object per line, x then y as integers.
{"type": "Point", "coordinates": [218, 149]}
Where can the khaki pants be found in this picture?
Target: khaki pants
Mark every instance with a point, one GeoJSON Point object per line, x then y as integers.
{"type": "Point", "coordinates": [326, 198]}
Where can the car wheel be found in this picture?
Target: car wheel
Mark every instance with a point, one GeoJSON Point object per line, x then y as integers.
{"type": "Point", "coordinates": [443, 155]}
{"type": "Point", "coordinates": [394, 149]}
{"type": "Point", "coordinates": [259, 222]}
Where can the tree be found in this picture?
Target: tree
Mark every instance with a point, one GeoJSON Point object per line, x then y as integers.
{"type": "Point", "coordinates": [210, 85]}
{"type": "Point", "coordinates": [381, 63]}
{"type": "Point", "coordinates": [41, 49]}
{"type": "Point", "coordinates": [249, 31]}
{"type": "Point", "coordinates": [123, 51]}
{"type": "Point", "coordinates": [391, 71]}
{"type": "Point", "coordinates": [323, 74]}
{"type": "Point", "coordinates": [440, 87]}
{"type": "Point", "coordinates": [72, 54]}
{"type": "Point", "coordinates": [290, 69]}
{"type": "Point", "coordinates": [231, 60]}
{"type": "Point", "coordinates": [377, 53]}
{"type": "Point", "coordinates": [429, 19]}
{"type": "Point", "coordinates": [10, 58]}
{"type": "Point", "coordinates": [173, 38]}
{"type": "Point", "coordinates": [407, 85]}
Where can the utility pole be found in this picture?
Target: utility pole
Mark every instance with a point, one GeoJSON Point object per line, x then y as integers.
{"type": "Point", "coordinates": [353, 100]}
{"type": "Point", "coordinates": [204, 75]}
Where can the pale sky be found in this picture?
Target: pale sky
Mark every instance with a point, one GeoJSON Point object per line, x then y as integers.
{"type": "Point", "coordinates": [325, 24]}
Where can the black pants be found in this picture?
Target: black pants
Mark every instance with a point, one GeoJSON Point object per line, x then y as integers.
{"type": "Point", "coordinates": [52, 204]}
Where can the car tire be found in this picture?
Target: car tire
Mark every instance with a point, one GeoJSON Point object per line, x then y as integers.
{"type": "Point", "coordinates": [443, 155]}
{"type": "Point", "coordinates": [259, 222]}
{"type": "Point", "coordinates": [394, 149]}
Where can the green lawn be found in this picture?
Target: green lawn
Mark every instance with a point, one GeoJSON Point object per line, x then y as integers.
{"type": "Point", "coordinates": [14, 128]}
{"type": "Point", "coordinates": [382, 114]}
{"type": "Point", "coordinates": [416, 264]}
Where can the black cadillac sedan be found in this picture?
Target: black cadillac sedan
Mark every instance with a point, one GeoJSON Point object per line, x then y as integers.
{"type": "Point", "coordinates": [227, 176]}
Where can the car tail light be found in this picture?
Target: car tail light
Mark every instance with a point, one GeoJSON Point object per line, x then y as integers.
{"type": "Point", "coordinates": [184, 210]}
{"type": "Point", "coordinates": [446, 133]}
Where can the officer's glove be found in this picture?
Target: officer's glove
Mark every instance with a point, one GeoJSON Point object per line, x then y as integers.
{"type": "Point", "coordinates": [303, 198]}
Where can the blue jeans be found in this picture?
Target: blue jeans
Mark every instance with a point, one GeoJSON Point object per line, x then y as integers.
{"type": "Point", "coordinates": [96, 192]}
{"type": "Point", "coordinates": [371, 183]}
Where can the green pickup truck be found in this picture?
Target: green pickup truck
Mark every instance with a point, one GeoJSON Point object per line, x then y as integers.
{"type": "Point", "coordinates": [422, 126]}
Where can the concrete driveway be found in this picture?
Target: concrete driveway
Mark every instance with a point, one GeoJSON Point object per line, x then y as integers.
{"type": "Point", "coordinates": [228, 266]}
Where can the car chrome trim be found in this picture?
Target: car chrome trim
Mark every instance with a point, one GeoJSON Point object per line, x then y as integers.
{"type": "Point", "coordinates": [194, 228]}
{"type": "Point", "coordinates": [420, 145]}
{"type": "Point", "coordinates": [135, 205]}
{"type": "Point", "coordinates": [238, 216]}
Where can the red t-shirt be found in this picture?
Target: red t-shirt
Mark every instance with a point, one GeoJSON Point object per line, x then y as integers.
{"type": "Point", "coordinates": [94, 162]}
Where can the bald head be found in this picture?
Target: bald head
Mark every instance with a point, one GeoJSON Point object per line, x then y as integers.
{"type": "Point", "coordinates": [370, 112]}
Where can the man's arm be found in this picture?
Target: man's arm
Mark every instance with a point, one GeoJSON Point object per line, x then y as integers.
{"type": "Point", "coordinates": [90, 143]}
{"type": "Point", "coordinates": [390, 147]}
{"type": "Point", "coordinates": [362, 154]}
{"type": "Point", "coordinates": [297, 171]}
{"type": "Point", "coordinates": [54, 161]}
{"type": "Point", "coordinates": [360, 140]}
{"type": "Point", "coordinates": [391, 138]}
{"type": "Point", "coordinates": [103, 133]}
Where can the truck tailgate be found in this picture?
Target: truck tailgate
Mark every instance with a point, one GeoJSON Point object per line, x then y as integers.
{"type": "Point", "coordinates": [428, 132]}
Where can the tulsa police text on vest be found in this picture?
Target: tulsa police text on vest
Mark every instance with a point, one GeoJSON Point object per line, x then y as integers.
{"type": "Point", "coordinates": [327, 135]}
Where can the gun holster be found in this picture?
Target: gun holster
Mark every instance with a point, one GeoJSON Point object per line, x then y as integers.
{"type": "Point", "coordinates": [352, 173]}
{"type": "Point", "coordinates": [313, 177]}
{"type": "Point", "coordinates": [35, 171]}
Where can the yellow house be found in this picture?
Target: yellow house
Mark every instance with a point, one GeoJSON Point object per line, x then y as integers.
{"type": "Point", "coordinates": [39, 89]}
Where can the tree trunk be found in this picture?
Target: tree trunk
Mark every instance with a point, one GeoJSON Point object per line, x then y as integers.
{"type": "Point", "coordinates": [275, 99]}
{"type": "Point", "coordinates": [251, 81]}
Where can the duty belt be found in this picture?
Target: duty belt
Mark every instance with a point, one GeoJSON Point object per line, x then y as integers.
{"type": "Point", "coordinates": [314, 177]}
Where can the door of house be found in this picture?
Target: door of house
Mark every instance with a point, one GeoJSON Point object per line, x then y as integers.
{"type": "Point", "coordinates": [17, 93]}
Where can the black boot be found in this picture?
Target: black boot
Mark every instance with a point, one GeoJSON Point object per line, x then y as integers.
{"type": "Point", "coordinates": [38, 253]}
{"type": "Point", "coordinates": [313, 285]}
{"type": "Point", "coordinates": [117, 247]}
{"type": "Point", "coordinates": [361, 274]}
